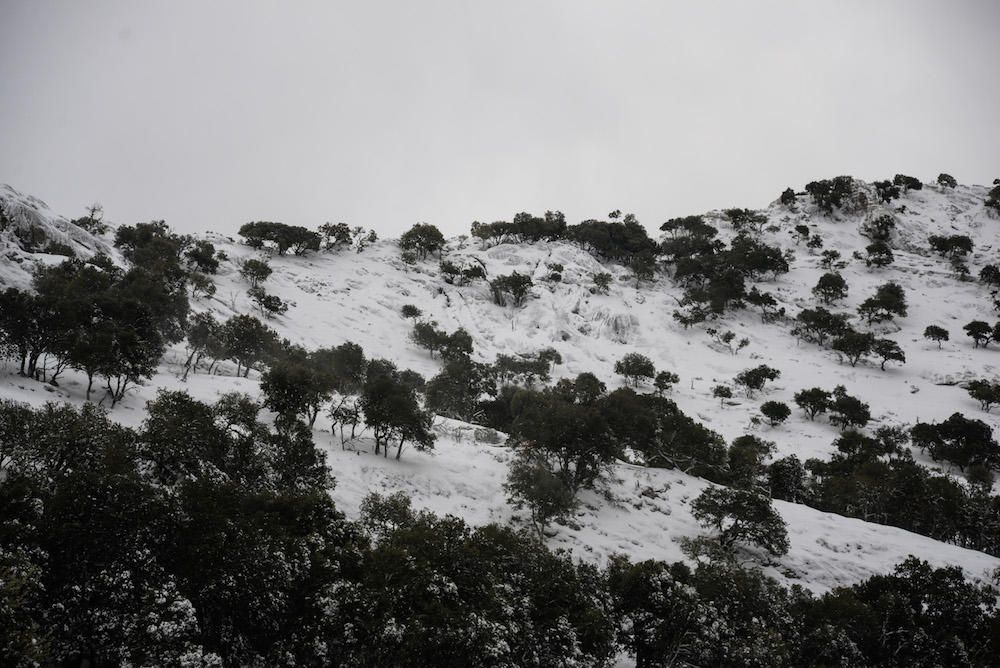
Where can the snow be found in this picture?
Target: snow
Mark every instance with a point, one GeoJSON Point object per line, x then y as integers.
{"type": "Point", "coordinates": [643, 513]}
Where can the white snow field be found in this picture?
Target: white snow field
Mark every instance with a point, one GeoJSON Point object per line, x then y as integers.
{"type": "Point", "coordinates": [352, 296]}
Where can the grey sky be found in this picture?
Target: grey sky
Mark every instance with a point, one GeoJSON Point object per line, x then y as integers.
{"type": "Point", "coordinates": [211, 114]}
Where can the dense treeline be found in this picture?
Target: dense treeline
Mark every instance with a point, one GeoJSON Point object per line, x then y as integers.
{"type": "Point", "coordinates": [207, 538]}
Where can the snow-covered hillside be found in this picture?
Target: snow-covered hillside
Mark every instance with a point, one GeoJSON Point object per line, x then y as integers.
{"type": "Point", "coordinates": [357, 296]}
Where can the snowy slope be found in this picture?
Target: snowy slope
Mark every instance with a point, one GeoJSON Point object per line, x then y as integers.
{"type": "Point", "coordinates": [349, 296]}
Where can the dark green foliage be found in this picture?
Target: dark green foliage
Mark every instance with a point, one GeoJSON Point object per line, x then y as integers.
{"type": "Point", "coordinates": [801, 233]}
{"type": "Point", "coordinates": [831, 287]}
{"type": "Point", "coordinates": [284, 237]}
{"type": "Point", "coordinates": [410, 311]}
{"type": "Point", "coordinates": [636, 368]}
{"type": "Point", "coordinates": [985, 392]}
{"type": "Point", "coordinates": [268, 305]}
{"type": "Point", "coordinates": [458, 390]}
{"type": "Point", "coordinates": [878, 255]}
{"type": "Point", "coordinates": [532, 484]}
{"type": "Point", "coordinates": [776, 412]}
{"type": "Point", "coordinates": [461, 275]}
{"type": "Point", "coordinates": [201, 255]}
{"type": "Point", "coordinates": [298, 383]}
{"type": "Point", "coordinates": [664, 381]}
{"type": "Point", "coordinates": [745, 220]}
{"type": "Point", "coordinates": [787, 197]}
{"type": "Point", "coordinates": [753, 380]}
{"type": "Point", "coordinates": [602, 282]}
{"type": "Point", "coordinates": [953, 247]}
{"type": "Point", "coordinates": [847, 411]}
{"type": "Point", "coordinates": [525, 370]}
{"type": "Point", "coordinates": [746, 458]}
{"type": "Point", "coordinates": [514, 287]}
{"type": "Point", "coordinates": [980, 332]}
{"type": "Point", "coordinates": [990, 276]}
{"type": "Point", "coordinates": [643, 266]}
{"type": "Point", "coordinates": [992, 200]}
{"type": "Point", "coordinates": [829, 259]}
{"type": "Point", "coordinates": [946, 180]}
{"type": "Point", "coordinates": [829, 194]}
{"type": "Point", "coordinates": [786, 479]}
{"type": "Point", "coordinates": [767, 304]}
{"type": "Point", "coordinates": [422, 239]}
{"type": "Point", "coordinates": [888, 301]}
{"type": "Point", "coordinates": [888, 350]}
{"type": "Point", "coordinates": [392, 411]}
{"type": "Point", "coordinates": [935, 333]}
{"type": "Point", "coordinates": [818, 325]}
{"type": "Point", "coordinates": [247, 341]}
{"type": "Point", "coordinates": [907, 182]}
{"type": "Point", "coordinates": [255, 271]}
{"type": "Point", "coordinates": [451, 346]}
{"type": "Point", "coordinates": [620, 242]}
{"type": "Point", "coordinates": [741, 516]}
{"type": "Point", "coordinates": [854, 345]}
{"type": "Point", "coordinates": [886, 191]}
{"type": "Point", "coordinates": [524, 228]}
{"type": "Point", "coordinates": [813, 401]}
{"type": "Point", "coordinates": [722, 392]}
{"type": "Point", "coordinates": [958, 440]}
{"type": "Point", "coordinates": [154, 248]}
{"type": "Point", "coordinates": [880, 227]}
{"type": "Point", "coordinates": [335, 236]}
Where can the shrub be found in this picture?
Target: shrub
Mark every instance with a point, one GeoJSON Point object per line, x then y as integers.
{"type": "Point", "coordinates": [284, 237]}
{"type": "Point", "coordinates": [516, 287]}
{"type": "Point", "coordinates": [813, 401]}
{"type": "Point", "coordinates": [532, 484]}
{"type": "Point", "coordinates": [602, 282]}
{"type": "Point", "coordinates": [665, 380]}
{"type": "Point", "coordinates": [848, 411]}
{"type": "Point", "coordinates": [992, 200]}
{"type": "Point", "coordinates": [829, 194]}
{"type": "Point", "coordinates": [907, 182]}
{"type": "Point", "coordinates": [269, 305]}
{"type": "Point", "coordinates": [985, 392]}
{"type": "Point", "coordinates": [787, 197]}
{"type": "Point", "coordinates": [953, 247]}
{"type": "Point", "coordinates": [410, 311]}
{"type": "Point", "coordinates": [946, 180]}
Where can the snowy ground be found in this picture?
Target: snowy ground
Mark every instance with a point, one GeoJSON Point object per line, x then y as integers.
{"type": "Point", "coordinates": [357, 297]}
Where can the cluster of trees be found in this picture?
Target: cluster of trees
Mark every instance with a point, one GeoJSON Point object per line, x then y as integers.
{"type": "Point", "coordinates": [845, 410]}
{"type": "Point", "coordinates": [830, 194]}
{"type": "Point", "coordinates": [282, 237]}
{"type": "Point", "coordinates": [212, 540]}
{"type": "Point", "coordinates": [105, 321]}
{"type": "Point", "coordinates": [420, 240]}
{"type": "Point", "coordinates": [714, 275]}
{"type": "Point", "coordinates": [854, 346]}
{"type": "Point", "coordinates": [982, 333]}
{"type": "Point", "coordinates": [617, 240]}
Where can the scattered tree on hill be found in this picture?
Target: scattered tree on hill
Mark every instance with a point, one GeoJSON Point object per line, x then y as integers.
{"type": "Point", "coordinates": [980, 332]}
{"type": "Point", "coordinates": [284, 237]}
{"type": "Point", "coordinates": [787, 197]}
{"type": "Point", "coordinates": [954, 247]}
{"type": "Point", "coordinates": [889, 300]}
{"type": "Point", "coordinates": [878, 254]}
{"type": "Point", "coordinates": [335, 236]}
{"type": "Point", "coordinates": [722, 392]}
{"type": "Point", "coordinates": [848, 411]}
{"type": "Point", "coordinates": [818, 325]}
{"type": "Point", "coordinates": [636, 368]}
{"type": "Point", "coordinates": [907, 182]}
{"type": "Point", "coordinates": [831, 287]}
{"type": "Point", "coordinates": [602, 282]}
{"type": "Point", "coordinates": [422, 239]}
{"type": "Point", "coordinates": [514, 287]}
{"type": "Point", "coordinates": [992, 200]}
{"type": "Point", "coordinates": [888, 350]}
{"type": "Point", "coordinates": [854, 345]}
{"type": "Point", "coordinates": [776, 412]}
{"type": "Point", "coordinates": [936, 334]}
{"type": "Point", "coordinates": [457, 391]}
{"type": "Point", "coordinates": [741, 516]}
{"type": "Point", "coordinates": [247, 341]}
{"type": "Point", "coordinates": [664, 381]}
{"type": "Point", "coordinates": [829, 194]}
{"type": "Point", "coordinates": [392, 410]}
{"type": "Point", "coordinates": [946, 180]}
{"type": "Point", "coordinates": [753, 380]}
{"type": "Point", "coordinates": [268, 305]}
{"type": "Point", "coordinates": [532, 484]}
{"type": "Point", "coordinates": [255, 271]}
{"type": "Point", "coordinates": [985, 392]}
{"type": "Point", "coordinates": [410, 311]}
{"type": "Point", "coordinates": [958, 440]}
{"type": "Point", "coordinates": [813, 401]}
{"type": "Point", "coordinates": [886, 191]}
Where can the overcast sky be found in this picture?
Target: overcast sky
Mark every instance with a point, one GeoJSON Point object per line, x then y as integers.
{"type": "Point", "coordinates": [211, 114]}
